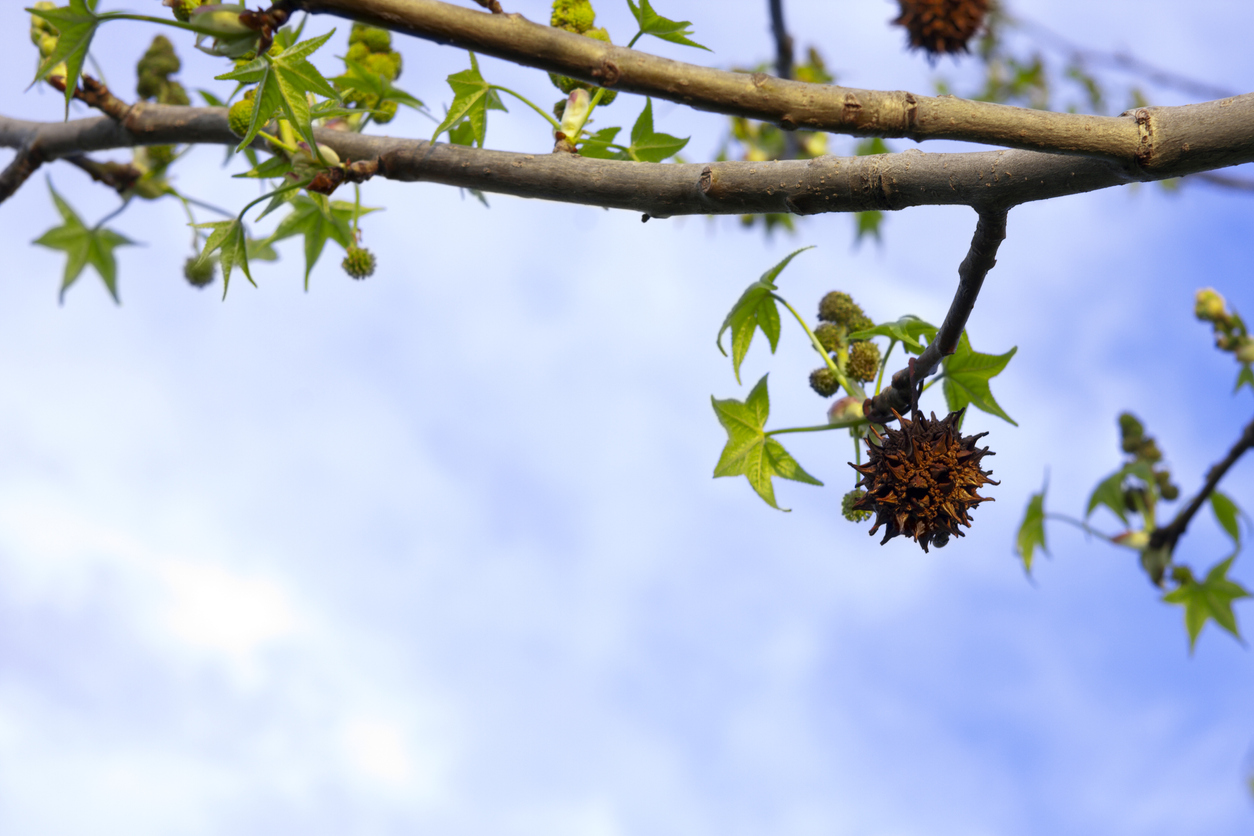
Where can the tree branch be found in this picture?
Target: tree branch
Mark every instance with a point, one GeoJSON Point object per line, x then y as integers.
{"type": "Point", "coordinates": [1167, 536]}
{"type": "Point", "coordinates": [28, 160]}
{"type": "Point", "coordinates": [783, 63]}
{"type": "Point", "coordinates": [990, 231]}
{"type": "Point", "coordinates": [1150, 139]}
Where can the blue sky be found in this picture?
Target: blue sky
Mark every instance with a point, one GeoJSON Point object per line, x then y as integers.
{"type": "Point", "coordinates": [440, 550]}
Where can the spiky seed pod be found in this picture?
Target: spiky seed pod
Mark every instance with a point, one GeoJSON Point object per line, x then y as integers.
{"type": "Point", "coordinates": [849, 511]}
{"type": "Point", "coordinates": [573, 15]}
{"type": "Point", "coordinates": [385, 112]}
{"type": "Point", "coordinates": [358, 262]}
{"type": "Point", "coordinates": [199, 272]}
{"type": "Point", "coordinates": [183, 8]}
{"type": "Point", "coordinates": [824, 382]}
{"type": "Point", "coordinates": [830, 335]}
{"type": "Point", "coordinates": [921, 480]}
{"type": "Point", "coordinates": [864, 360]}
{"type": "Point", "coordinates": [941, 27]}
{"type": "Point", "coordinates": [840, 308]}
{"type": "Point", "coordinates": [240, 116]}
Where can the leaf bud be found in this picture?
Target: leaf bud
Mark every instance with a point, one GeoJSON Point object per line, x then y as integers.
{"type": "Point", "coordinates": [864, 360]}
{"type": "Point", "coordinates": [40, 28]}
{"type": "Point", "coordinates": [823, 381]}
{"type": "Point", "coordinates": [577, 106]}
{"type": "Point", "coordinates": [830, 335]}
{"type": "Point", "coordinates": [845, 409]}
{"type": "Point", "coordinates": [1132, 539]}
{"type": "Point", "coordinates": [1210, 306]}
{"type": "Point", "coordinates": [850, 513]}
{"type": "Point", "coordinates": [358, 262]}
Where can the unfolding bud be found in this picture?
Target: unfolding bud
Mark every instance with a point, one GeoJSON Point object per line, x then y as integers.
{"type": "Point", "coordinates": [305, 164]}
{"type": "Point", "coordinates": [577, 106]}
{"type": "Point", "coordinates": [1132, 539]}
{"type": "Point", "coordinates": [231, 37]}
{"type": "Point", "coordinates": [845, 409]}
{"type": "Point", "coordinates": [1209, 305]}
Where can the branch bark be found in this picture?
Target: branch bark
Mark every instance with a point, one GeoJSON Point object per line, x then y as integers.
{"type": "Point", "coordinates": [1148, 140]}
{"type": "Point", "coordinates": [1167, 536]}
{"type": "Point", "coordinates": [783, 63]}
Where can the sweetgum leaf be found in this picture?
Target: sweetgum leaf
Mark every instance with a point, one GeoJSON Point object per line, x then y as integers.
{"type": "Point", "coordinates": [229, 241]}
{"type": "Point", "coordinates": [1226, 513]}
{"type": "Point", "coordinates": [597, 145]}
{"type": "Point", "coordinates": [75, 24]}
{"type": "Point", "coordinates": [906, 331]}
{"type": "Point", "coordinates": [647, 146]}
{"type": "Point", "coordinates": [652, 23]}
{"type": "Point", "coordinates": [749, 451]}
{"type": "Point", "coordinates": [1109, 492]}
{"type": "Point", "coordinates": [1245, 378]}
{"type": "Point", "coordinates": [83, 246]}
{"type": "Point", "coordinates": [1031, 534]}
{"type": "Point", "coordinates": [755, 309]}
{"type": "Point", "coordinates": [318, 218]}
{"type": "Point", "coordinates": [1210, 600]}
{"type": "Point", "coordinates": [967, 374]}
{"type": "Point", "coordinates": [472, 98]}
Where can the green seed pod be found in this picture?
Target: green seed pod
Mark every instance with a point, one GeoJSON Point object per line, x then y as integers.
{"type": "Point", "coordinates": [199, 272]}
{"type": "Point", "coordinates": [358, 262]}
{"type": "Point", "coordinates": [384, 113]}
{"type": "Point", "coordinates": [1131, 431]}
{"type": "Point", "coordinates": [386, 64]}
{"type": "Point", "coordinates": [378, 40]}
{"type": "Point", "coordinates": [240, 116]}
{"type": "Point", "coordinates": [864, 360]}
{"type": "Point", "coordinates": [840, 308]}
{"type": "Point", "coordinates": [824, 382]}
{"type": "Point", "coordinates": [174, 94]}
{"type": "Point", "coordinates": [357, 52]}
{"type": "Point", "coordinates": [183, 8]}
{"type": "Point", "coordinates": [1168, 490]}
{"type": "Point", "coordinates": [573, 15]}
{"type": "Point", "coordinates": [160, 59]}
{"type": "Point", "coordinates": [158, 156]}
{"type": "Point", "coordinates": [829, 335]}
{"type": "Point", "coordinates": [850, 513]}
{"type": "Point", "coordinates": [1149, 451]}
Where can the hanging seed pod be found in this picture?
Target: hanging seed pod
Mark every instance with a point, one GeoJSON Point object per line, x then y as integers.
{"type": "Point", "coordinates": [941, 27]}
{"type": "Point", "coordinates": [921, 480]}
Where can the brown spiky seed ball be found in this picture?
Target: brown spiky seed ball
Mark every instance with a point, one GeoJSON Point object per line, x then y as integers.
{"type": "Point", "coordinates": [941, 27]}
{"type": "Point", "coordinates": [921, 480]}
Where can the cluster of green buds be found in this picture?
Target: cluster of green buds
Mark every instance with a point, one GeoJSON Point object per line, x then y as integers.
{"type": "Point", "coordinates": [1140, 496]}
{"type": "Point", "coordinates": [577, 16]}
{"type": "Point", "coordinates": [371, 48]}
{"type": "Point", "coordinates": [44, 35]}
{"type": "Point", "coordinates": [840, 316]}
{"type": "Point", "coordinates": [154, 71]}
{"type": "Point", "coordinates": [1229, 329]}
{"type": "Point", "coordinates": [358, 262]}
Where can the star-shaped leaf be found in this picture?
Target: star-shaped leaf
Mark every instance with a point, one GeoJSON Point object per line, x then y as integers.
{"type": "Point", "coordinates": [1109, 491]}
{"type": "Point", "coordinates": [227, 237]}
{"type": "Point", "coordinates": [83, 246]}
{"type": "Point", "coordinates": [906, 331]}
{"type": "Point", "coordinates": [75, 24]}
{"type": "Point", "coordinates": [597, 145]}
{"type": "Point", "coordinates": [1031, 534]}
{"type": "Point", "coordinates": [318, 218]}
{"type": "Point", "coordinates": [282, 85]}
{"type": "Point", "coordinates": [967, 374]}
{"type": "Point", "coordinates": [755, 309]}
{"type": "Point", "coordinates": [750, 452]}
{"type": "Point", "coordinates": [1227, 514]}
{"type": "Point", "coordinates": [648, 146]}
{"type": "Point", "coordinates": [472, 98]}
{"type": "Point", "coordinates": [1209, 600]}
{"type": "Point", "coordinates": [652, 23]}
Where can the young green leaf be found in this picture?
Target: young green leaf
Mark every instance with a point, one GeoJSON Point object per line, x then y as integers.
{"type": "Point", "coordinates": [754, 309]}
{"type": "Point", "coordinates": [282, 87]}
{"type": "Point", "coordinates": [648, 146]}
{"type": "Point", "coordinates": [228, 239]}
{"type": "Point", "coordinates": [83, 246]}
{"type": "Point", "coordinates": [652, 23]}
{"type": "Point", "coordinates": [75, 24]}
{"type": "Point", "coordinates": [967, 374]}
{"type": "Point", "coordinates": [1209, 600]}
{"type": "Point", "coordinates": [1032, 531]}
{"type": "Point", "coordinates": [1109, 492]}
{"type": "Point", "coordinates": [749, 451]}
{"type": "Point", "coordinates": [1226, 513]}
{"type": "Point", "coordinates": [597, 146]}
{"type": "Point", "coordinates": [906, 331]}
{"type": "Point", "coordinates": [868, 225]}
{"type": "Point", "coordinates": [1244, 378]}
{"type": "Point", "coordinates": [317, 219]}
{"type": "Point", "coordinates": [472, 98]}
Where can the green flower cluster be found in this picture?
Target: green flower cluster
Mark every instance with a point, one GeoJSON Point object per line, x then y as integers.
{"type": "Point", "coordinates": [577, 16]}
{"type": "Point", "coordinates": [155, 69]}
{"type": "Point", "coordinates": [372, 49]}
{"type": "Point", "coordinates": [840, 316]}
{"type": "Point", "coordinates": [1229, 329]}
{"type": "Point", "coordinates": [183, 8]}
{"type": "Point", "coordinates": [359, 262]}
{"type": "Point", "coordinates": [1143, 448]}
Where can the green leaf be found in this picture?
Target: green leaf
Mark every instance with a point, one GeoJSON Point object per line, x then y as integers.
{"type": "Point", "coordinates": [871, 146]}
{"type": "Point", "coordinates": [317, 218]}
{"type": "Point", "coordinates": [282, 87]}
{"type": "Point", "coordinates": [472, 98]}
{"type": "Point", "coordinates": [1032, 531]}
{"type": "Point", "coordinates": [362, 80]}
{"type": "Point", "coordinates": [1226, 513]}
{"type": "Point", "coordinates": [648, 146]}
{"type": "Point", "coordinates": [754, 309]}
{"type": "Point", "coordinates": [271, 169]}
{"type": "Point", "coordinates": [1109, 492]}
{"type": "Point", "coordinates": [1209, 600]}
{"type": "Point", "coordinates": [906, 331]}
{"type": "Point", "coordinates": [597, 146]}
{"type": "Point", "coordinates": [1245, 378]}
{"type": "Point", "coordinates": [83, 246]}
{"type": "Point", "coordinates": [749, 451]}
{"type": "Point", "coordinates": [967, 374]}
{"type": "Point", "coordinates": [211, 99]}
{"type": "Point", "coordinates": [868, 224]}
{"type": "Point", "coordinates": [652, 23]}
{"type": "Point", "coordinates": [75, 24]}
{"type": "Point", "coordinates": [228, 239]}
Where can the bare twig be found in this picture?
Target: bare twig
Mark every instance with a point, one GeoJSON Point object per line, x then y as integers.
{"type": "Point", "coordinates": [118, 176]}
{"type": "Point", "coordinates": [990, 231]}
{"type": "Point", "coordinates": [28, 160]}
{"type": "Point", "coordinates": [95, 94]}
{"type": "Point", "coordinates": [1166, 537]}
{"type": "Point", "coordinates": [783, 64]}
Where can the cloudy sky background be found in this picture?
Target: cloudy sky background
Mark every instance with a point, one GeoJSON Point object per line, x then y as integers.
{"type": "Point", "coordinates": [440, 551]}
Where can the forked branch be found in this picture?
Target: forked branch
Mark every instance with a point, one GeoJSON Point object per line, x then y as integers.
{"type": "Point", "coordinates": [1166, 537]}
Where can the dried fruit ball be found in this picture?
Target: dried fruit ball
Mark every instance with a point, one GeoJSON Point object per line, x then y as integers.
{"type": "Point", "coordinates": [941, 27]}
{"type": "Point", "coordinates": [358, 262]}
{"type": "Point", "coordinates": [921, 480]}
{"type": "Point", "coordinates": [824, 382]}
{"type": "Point", "coordinates": [864, 360]}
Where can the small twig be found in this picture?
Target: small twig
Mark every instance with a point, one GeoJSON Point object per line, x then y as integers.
{"type": "Point", "coordinates": [492, 6]}
{"type": "Point", "coordinates": [989, 233]}
{"type": "Point", "coordinates": [783, 64]}
{"type": "Point", "coordinates": [95, 94]}
{"type": "Point", "coordinates": [1166, 537]}
{"type": "Point", "coordinates": [28, 160]}
{"type": "Point", "coordinates": [118, 176]}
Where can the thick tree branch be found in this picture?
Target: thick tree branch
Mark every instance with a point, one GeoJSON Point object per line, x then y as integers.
{"type": "Point", "coordinates": [1150, 139]}
{"type": "Point", "coordinates": [1166, 537]}
{"type": "Point", "coordinates": [990, 231]}
{"type": "Point", "coordinates": [28, 160]}
{"type": "Point", "coordinates": [987, 180]}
